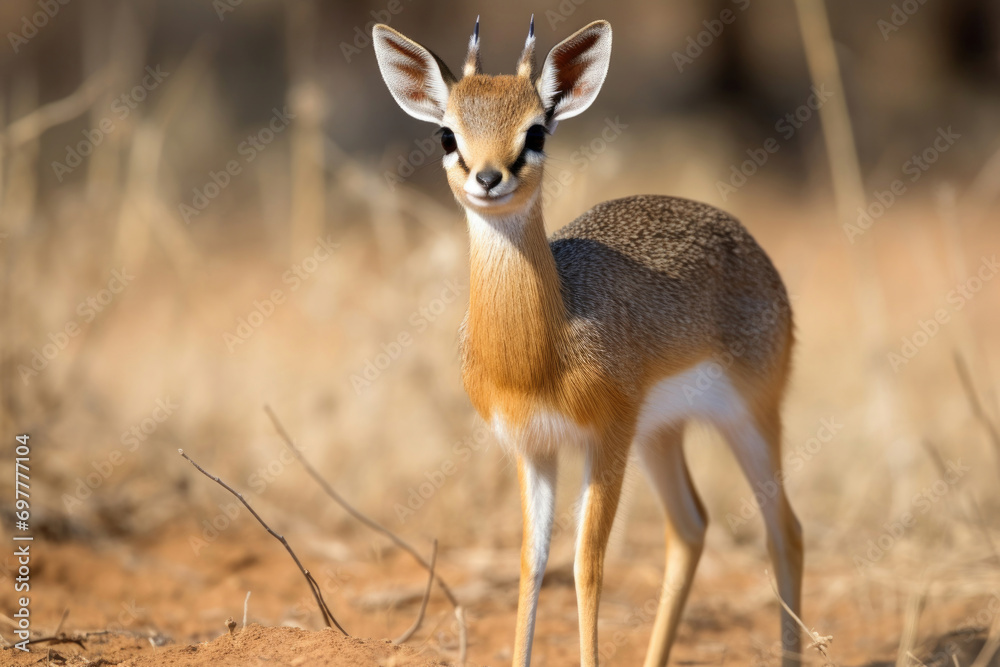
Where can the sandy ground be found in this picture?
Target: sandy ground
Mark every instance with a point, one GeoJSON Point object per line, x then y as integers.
{"type": "Point", "coordinates": [145, 583]}
{"type": "Point", "coordinates": [158, 603]}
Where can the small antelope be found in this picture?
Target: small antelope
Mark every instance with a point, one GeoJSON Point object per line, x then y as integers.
{"type": "Point", "coordinates": [596, 337]}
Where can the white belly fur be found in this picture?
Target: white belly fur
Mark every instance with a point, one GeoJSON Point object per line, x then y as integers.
{"type": "Point", "coordinates": [702, 392]}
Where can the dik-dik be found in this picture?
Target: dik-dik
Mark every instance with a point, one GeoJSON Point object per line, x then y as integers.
{"type": "Point", "coordinates": [593, 339]}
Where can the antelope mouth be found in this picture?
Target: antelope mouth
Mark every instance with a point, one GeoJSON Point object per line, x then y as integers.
{"type": "Point", "coordinates": [488, 201]}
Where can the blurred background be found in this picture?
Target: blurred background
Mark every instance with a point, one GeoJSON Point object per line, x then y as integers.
{"type": "Point", "coordinates": [206, 207]}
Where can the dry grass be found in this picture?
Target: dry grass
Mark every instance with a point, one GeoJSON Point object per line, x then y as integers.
{"type": "Point", "coordinates": [404, 443]}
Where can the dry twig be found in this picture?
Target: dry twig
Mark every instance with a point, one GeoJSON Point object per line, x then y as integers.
{"type": "Point", "coordinates": [32, 125]}
{"type": "Point", "coordinates": [817, 641]}
{"type": "Point", "coordinates": [975, 517]}
{"type": "Point", "coordinates": [990, 647]}
{"type": "Point", "coordinates": [423, 604]}
{"type": "Point", "coordinates": [327, 614]}
{"type": "Point", "coordinates": [974, 403]}
{"type": "Point", "coordinates": [907, 640]}
{"type": "Point", "coordinates": [373, 525]}
{"type": "Point", "coordinates": [246, 605]}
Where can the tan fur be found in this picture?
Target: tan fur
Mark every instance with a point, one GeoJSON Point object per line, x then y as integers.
{"type": "Point", "coordinates": [578, 329]}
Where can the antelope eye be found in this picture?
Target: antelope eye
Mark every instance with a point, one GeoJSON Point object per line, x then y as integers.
{"type": "Point", "coordinates": [448, 142]}
{"type": "Point", "coordinates": [534, 140]}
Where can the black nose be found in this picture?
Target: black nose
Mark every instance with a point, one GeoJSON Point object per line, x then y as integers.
{"type": "Point", "coordinates": [489, 179]}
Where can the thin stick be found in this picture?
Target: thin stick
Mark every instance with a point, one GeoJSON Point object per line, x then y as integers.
{"type": "Point", "coordinates": [32, 125]}
{"type": "Point", "coordinates": [62, 620]}
{"type": "Point", "coordinates": [327, 614]}
{"type": "Point", "coordinates": [59, 639]}
{"type": "Point", "coordinates": [977, 407]}
{"type": "Point", "coordinates": [246, 604]}
{"type": "Point", "coordinates": [977, 517]}
{"type": "Point", "coordinates": [395, 539]}
{"type": "Point", "coordinates": [990, 647]}
{"type": "Point", "coordinates": [819, 642]}
{"type": "Point", "coordinates": [914, 608]}
{"type": "Point", "coordinates": [423, 604]}
{"type": "Point", "coordinates": [849, 194]}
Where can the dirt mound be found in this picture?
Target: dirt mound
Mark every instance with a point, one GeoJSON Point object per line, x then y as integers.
{"type": "Point", "coordinates": [286, 646]}
{"type": "Point", "coordinates": [255, 645]}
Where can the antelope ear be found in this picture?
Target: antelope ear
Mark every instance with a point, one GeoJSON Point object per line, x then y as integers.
{"type": "Point", "coordinates": [417, 78]}
{"type": "Point", "coordinates": [574, 71]}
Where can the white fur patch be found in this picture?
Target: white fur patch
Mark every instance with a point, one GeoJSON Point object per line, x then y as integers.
{"type": "Point", "coordinates": [545, 433]}
{"type": "Point", "coordinates": [702, 392]}
{"type": "Point", "coordinates": [497, 233]}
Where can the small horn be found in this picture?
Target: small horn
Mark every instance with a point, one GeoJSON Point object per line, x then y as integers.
{"type": "Point", "coordinates": [526, 63]}
{"type": "Point", "coordinates": [473, 65]}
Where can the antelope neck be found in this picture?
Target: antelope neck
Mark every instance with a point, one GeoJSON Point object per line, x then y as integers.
{"type": "Point", "coordinates": [517, 318]}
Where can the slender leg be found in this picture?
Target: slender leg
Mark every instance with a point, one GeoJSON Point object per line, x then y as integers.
{"type": "Point", "coordinates": [757, 445]}
{"type": "Point", "coordinates": [662, 458]}
{"type": "Point", "coordinates": [605, 472]}
{"type": "Point", "coordinates": [537, 476]}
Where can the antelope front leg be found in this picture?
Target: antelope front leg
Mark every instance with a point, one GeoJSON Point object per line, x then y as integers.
{"type": "Point", "coordinates": [537, 475]}
{"type": "Point", "coordinates": [605, 472]}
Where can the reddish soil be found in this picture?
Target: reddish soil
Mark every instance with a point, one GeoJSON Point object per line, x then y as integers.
{"type": "Point", "coordinates": [160, 604]}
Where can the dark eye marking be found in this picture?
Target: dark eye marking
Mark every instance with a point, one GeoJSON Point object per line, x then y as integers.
{"type": "Point", "coordinates": [534, 140]}
{"type": "Point", "coordinates": [448, 142]}
{"type": "Point", "coordinates": [450, 145]}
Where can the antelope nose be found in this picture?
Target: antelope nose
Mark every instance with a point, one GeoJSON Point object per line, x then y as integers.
{"type": "Point", "coordinates": [489, 178]}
